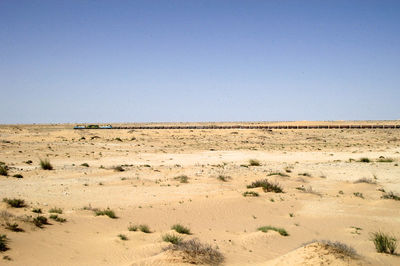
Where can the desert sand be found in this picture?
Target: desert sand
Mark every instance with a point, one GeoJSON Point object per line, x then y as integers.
{"type": "Point", "coordinates": [317, 169]}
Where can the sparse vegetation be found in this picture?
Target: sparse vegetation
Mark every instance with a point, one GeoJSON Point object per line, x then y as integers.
{"type": "Point", "coordinates": [108, 212]}
{"type": "Point", "coordinates": [340, 250]}
{"type": "Point", "coordinates": [305, 174]}
{"type": "Point", "coordinates": [358, 194]}
{"type": "Point", "coordinates": [45, 164]}
{"type": "Point", "coordinates": [278, 174]}
{"type": "Point", "coordinates": [3, 170]}
{"type": "Point", "coordinates": [384, 243]}
{"type": "Point", "coordinates": [123, 237]}
{"type": "Point", "coordinates": [254, 162]}
{"type": "Point", "coordinates": [37, 210]}
{"type": "Point", "coordinates": [365, 180]}
{"type": "Point", "coordinates": [57, 218]}
{"type": "Point", "coordinates": [13, 227]}
{"type": "Point", "coordinates": [18, 176]}
{"type": "Point", "coordinates": [391, 195]}
{"type": "Point", "coordinates": [385, 160]}
{"type": "Point", "coordinates": [144, 228]}
{"type": "Point", "coordinates": [85, 164]}
{"type": "Point", "coordinates": [309, 190]}
{"type": "Point", "coordinates": [181, 229]}
{"type": "Point", "coordinates": [194, 252]}
{"type": "Point", "coordinates": [40, 221]}
{"type": "Point", "coordinates": [15, 203]}
{"type": "Point", "coordinates": [172, 238]}
{"type": "Point", "coordinates": [250, 194]}
{"type": "Point", "coordinates": [281, 231]}
{"type": "Point", "coordinates": [3, 243]}
{"type": "Point", "coordinates": [118, 168]}
{"type": "Point", "coordinates": [56, 210]}
{"type": "Point", "coordinates": [182, 178]}
{"type": "Point", "coordinates": [224, 178]}
{"type": "Point", "coordinates": [364, 160]}
{"type": "Point", "coordinates": [133, 227]}
{"type": "Point", "coordinates": [266, 186]}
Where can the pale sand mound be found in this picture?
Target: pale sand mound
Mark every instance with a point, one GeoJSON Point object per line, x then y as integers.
{"type": "Point", "coordinates": [319, 253]}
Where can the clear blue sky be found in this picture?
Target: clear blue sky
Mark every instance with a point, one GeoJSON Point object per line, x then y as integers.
{"type": "Point", "coordinates": [135, 61]}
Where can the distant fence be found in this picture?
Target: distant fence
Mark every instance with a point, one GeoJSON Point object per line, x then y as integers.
{"type": "Point", "coordinates": [257, 127]}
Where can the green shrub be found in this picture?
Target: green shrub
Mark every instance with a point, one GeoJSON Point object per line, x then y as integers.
{"type": "Point", "coordinates": [384, 243]}
{"type": "Point", "coordinates": [224, 178]}
{"type": "Point", "coordinates": [144, 228]}
{"type": "Point", "coordinates": [15, 203]}
{"type": "Point", "coordinates": [37, 210]}
{"type": "Point", "coordinates": [278, 173]}
{"type": "Point", "coordinates": [3, 243]}
{"type": "Point", "coordinates": [3, 170]}
{"type": "Point", "coordinates": [13, 227]}
{"type": "Point", "coordinates": [45, 164]}
{"type": "Point", "coordinates": [123, 237]}
{"type": "Point", "coordinates": [194, 252]}
{"type": "Point", "coordinates": [254, 162]}
{"type": "Point", "coordinates": [133, 227]}
{"type": "Point", "coordinates": [85, 164]}
{"type": "Point", "coordinates": [385, 160]}
{"type": "Point", "coordinates": [181, 229]}
{"type": "Point", "coordinates": [174, 239]}
{"type": "Point", "coordinates": [250, 194]}
{"type": "Point", "coordinates": [266, 186]}
{"type": "Point", "coordinates": [56, 210]}
{"type": "Point", "coordinates": [358, 194]}
{"type": "Point", "coordinates": [182, 178]}
{"type": "Point", "coordinates": [391, 195]}
{"type": "Point", "coordinates": [281, 231]}
{"type": "Point", "coordinates": [107, 212]}
{"type": "Point", "coordinates": [119, 168]}
{"type": "Point", "coordinates": [57, 218]}
{"type": "Point", "coordinates": [18, 176]}
{"type": "Point", "coordinates": [364, 160]}
{"type": "Point", "coordinates": [40, 221]}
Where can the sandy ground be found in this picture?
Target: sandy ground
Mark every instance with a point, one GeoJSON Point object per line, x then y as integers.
{"type": "Point", "coordinates": [216, 212]}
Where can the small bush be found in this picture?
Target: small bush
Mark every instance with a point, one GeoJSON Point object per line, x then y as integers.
{"type": "Point", "coordinates": [56, 210]}
{"type": "Point", "coordinates": [3, 243]}
{"type": "Point", "coordinates": [37, 210]}
{"type": "Point", "coordinates": [15, 203]}
{"type": "Point", "coordinates": [384, 243]}
{"type": "Point", "coordinates": [305, 174]}
{"type": "Point", "coordinates": [181, 229]}
{"type": "Point", "coordinates": [309, 190]}
{"type": "Point", "coordinates": [281, 231]}
{"type": "Point", "coordinates": [224, 178]}
{"type": "Point", "coordinates": [118, 168]}
{"type": "Point", "coordinates": [358, 194]}
{"type": "Point", "coordinates": [40, 221]}
{"type": "Point", "coordinates": [385, 160]}
{"type": "Point", "coordinates": [85, 165]}
{"type": "Point", "coordinates": [57, 218]}
{"type": "Point", "coordinates": [3, 170]}
{"type": "Point", "coordinates": [29, 162]}
{"type": "Point", "coordinates": [365, 180]}
{"type": "Point", "coordinates": [118, 139]}
{"type": "Point", "coordinates": [278, 173]}
{"type": "Point", "coordinates": [174, 239]}
{"type": "Point", "coordinates": [250, 194]}
{"type": "Point", "coordinates": [13, 227]}
{"type": "Point", "coordinates": [391, 195]}
{"type": "Point", "coordinates": [195, 252]}
{"type": "Point", "coordinates": [45, 164]}
{"type": "Point", "coordinates": [340, 249]}
{"type": "Point", "coordinates": [123, 237]}
{"type": "Point", "coordinates": [18, 176]}
{"type": "Point", "coordinates": [107, 212]}
{"type": "Point", "coordinates": [253, 162]}
{"type": "Point", "coordinates": [144, 228]}
{"type": "Point", "coordinates": [133, 227]}
{"type": "Point", "coordinates": [266, 186]}
{"type": "Point", "coordinates": [364, 160]}
{"type": "Point", "coordinates": [182, 178]}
